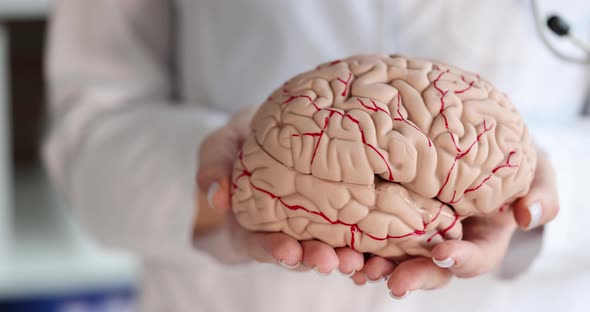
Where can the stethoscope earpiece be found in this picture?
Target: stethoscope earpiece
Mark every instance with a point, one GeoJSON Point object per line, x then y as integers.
{"type": "Point", "coordinates": [558, 25]}
{"type": "Point", "coordinates": [561, 28]}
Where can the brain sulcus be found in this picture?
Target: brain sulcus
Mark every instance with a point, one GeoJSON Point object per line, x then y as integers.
{"type": "Point", "coordinates": [383, 153]}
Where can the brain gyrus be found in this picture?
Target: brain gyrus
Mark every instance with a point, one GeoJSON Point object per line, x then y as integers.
{"type": "Point", "coordinates": [385, 154]}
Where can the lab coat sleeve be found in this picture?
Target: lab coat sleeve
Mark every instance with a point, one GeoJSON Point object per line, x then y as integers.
{"type": "Point", "coordinates": [120, 149]}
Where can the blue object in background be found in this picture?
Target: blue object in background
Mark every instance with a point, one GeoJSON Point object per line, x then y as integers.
{"type": "Point", "coordinates": [119, 299]}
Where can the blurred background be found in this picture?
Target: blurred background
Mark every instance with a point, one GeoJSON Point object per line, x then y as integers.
{"type": "Point", "coordinates": [47, 263]}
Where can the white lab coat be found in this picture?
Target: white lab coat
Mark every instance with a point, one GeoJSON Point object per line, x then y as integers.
{"type": "Point", "coordinates": [135, 85]}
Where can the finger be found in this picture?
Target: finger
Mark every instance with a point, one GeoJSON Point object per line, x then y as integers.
{"type": "Point", "coordinates": [414, 274]}
{"type": "Point", "coordinates": [209, 174]}
{"type": "Point", "coordinates": [217, 154]}
{"type": "Point", "coordinates": [319, 256]}
{"type": "Point", "coordinates": [378, 268]}
{"type": "Point", "coordinates": [350, 261]}
{"type": "Point", "coordinates": [538, 207]}
{"type": "Point", "coordinates": [219, 195]}
{"type": "Point", "coordinates": [273, 247]}
{"type": "Point", "coordinates": [468, 259]}
{"type": "Point", "coordinates": [541, 204]}
{"type": "Point", "coordinates": [359, 278]}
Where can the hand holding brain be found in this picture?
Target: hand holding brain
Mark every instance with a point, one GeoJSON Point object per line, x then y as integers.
{"type": "Point", "coordinates": [385, 154]}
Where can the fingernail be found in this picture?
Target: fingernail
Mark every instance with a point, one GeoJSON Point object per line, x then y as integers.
{"type": "Point", "coordinates": [212, 190]}
{"type": "Point", "coordinates": [407, 293]}
{"type": "Point", "coordinates": [535, 210]}
{"type": "Point", "coordinates": [380, 279]}
{"type": "Point", "coordinates": [289, 266]}
{"type": "Point", "coordinates": [446, 263]}
{"type": "Point", "coordinates": [347, 274]}
{"type": "Point", "coordinates": [315, 268]}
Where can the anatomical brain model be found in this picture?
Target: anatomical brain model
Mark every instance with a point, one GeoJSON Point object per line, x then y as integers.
{"type": "Point", "coordinates": [385, 154]}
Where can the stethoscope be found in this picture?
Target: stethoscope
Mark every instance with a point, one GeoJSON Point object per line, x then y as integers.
{"type": "Point", "coordinates": [562, 29]}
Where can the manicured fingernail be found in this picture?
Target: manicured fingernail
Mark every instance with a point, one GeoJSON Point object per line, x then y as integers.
{"type": "Point", "coordinates": [380, 279]}
{"type": "Point", "coordinates": [407, 293]}
{"type": "Point", "coordinates": [289, 266]}
{"type": "Point", "coordinates": [347, 274]}
{"type": "Point", "coordinates": [535, 210]}
{"type": "Point", "coordinates": [315, 268]}
{"type": "Point", "coordinates": [212, 190]}
{"type": "Point", "coordinates": [446, 263]}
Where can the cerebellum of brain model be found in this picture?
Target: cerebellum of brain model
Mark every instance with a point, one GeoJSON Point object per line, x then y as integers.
{"type": "Point", "coordinates": [384, 154]}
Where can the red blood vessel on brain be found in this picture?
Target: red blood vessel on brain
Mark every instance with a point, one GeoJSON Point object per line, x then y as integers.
{"type": "Point", "coordinates": [385, 154]}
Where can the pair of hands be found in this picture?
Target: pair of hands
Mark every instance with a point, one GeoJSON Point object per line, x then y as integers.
{"type": "Point", "coordinates": [482, 248]}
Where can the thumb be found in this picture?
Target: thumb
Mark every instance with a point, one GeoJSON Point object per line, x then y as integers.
{"type": "Point", "coordinates": [219, 194]}
{"type": "Point", "coordinates": [217, 154]}
{"type": "Point", "coordinates": [541, 204]}
{"type": "Point", "coordinates": [538, 207]}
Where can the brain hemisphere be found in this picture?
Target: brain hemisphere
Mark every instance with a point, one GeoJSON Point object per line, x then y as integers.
{"type": "Point", "coordinates": [385, 154]}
